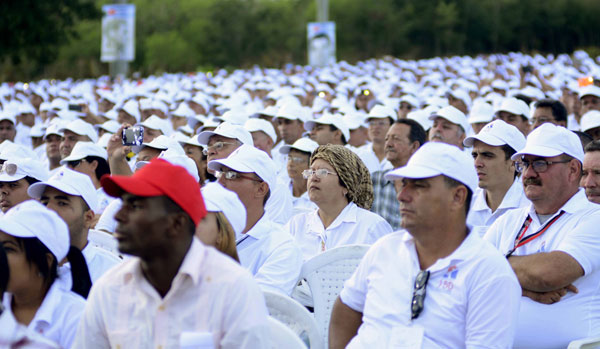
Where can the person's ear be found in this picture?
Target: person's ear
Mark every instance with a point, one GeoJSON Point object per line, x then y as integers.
{"type": "Point", "coordinates": [94, 164]}
{"type": "Point", "coordinates": [89, 218]}
{"type": "Point", "coordinates": [262, 189]}
{"type": "Point", "coordinates": [459, 197]}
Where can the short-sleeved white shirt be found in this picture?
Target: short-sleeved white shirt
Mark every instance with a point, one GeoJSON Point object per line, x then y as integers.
{"type": "Point", "coordinates": [98, 262]}
{"type": "Point", "coordinates": [58, 316]}
{"type": "Point", "coordinates": [353, 225]}
{"type": "Point", "coordinates": [472, 296]}
{"type": "Point", "coordinates": [367, 155]}
{"type": "Point", "coordinates": [271, 255]}
{"type": "Point", "coordinates": [576, 233]}
{"type": "Point", "coordinates": [279, 206]}
{"type": "Point", "coordinates": [12, 333]}
{"type": "Point", "coordinates": [481, 217]}
{"type": "Point", "coordinates": [210, 294]}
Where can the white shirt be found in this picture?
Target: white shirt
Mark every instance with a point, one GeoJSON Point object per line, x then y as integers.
{"type": "Point", "coordinates": [279, 206]}
{"type": "Point", "coordinates": [367, 155]}
{"type": "Point", "coordinates": [107, 220]}
{"type": "Point", "coordinates": [302, 204]}
{"type": "Point", "coordinates": [15, 335]}
{"type": "Point", "coordinates": [575, 316]}
{"type": "Point", "coordinates": [98, 262]}
{"type": "Point", "coordinates": [58, 316]}
{"type": "Point", "coordinates": [209, 294]}
{"type": "Point", "coordinates": [480, 214]}
{"type": "Point", "coordinates": [353, 225]}
{"type": "Point", "coordinates": [103, 200]}
{"type": "Point", "coordinates": [271, 255]}
{"type": "Point", "coordinates": [472, 296]}
{"type": "Point", "coordinates": [572, 123]}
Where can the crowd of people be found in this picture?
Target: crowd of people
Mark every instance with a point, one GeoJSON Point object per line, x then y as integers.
{"type": "Point", "coordinates": [474, 179]}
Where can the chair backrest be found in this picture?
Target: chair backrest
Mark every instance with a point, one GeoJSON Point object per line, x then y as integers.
{"type": "Point", "coordinates": [326, 274]}
{"type": "Point", "coordinates": [282, 336]}
{"type": "Point", "coordinates": [103, 240]}
{"type": "Point", "coordinates": [295, 316]}
{"type": "Point", "coordinates": [586, 343]}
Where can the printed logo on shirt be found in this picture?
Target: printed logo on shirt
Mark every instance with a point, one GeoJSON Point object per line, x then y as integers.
{"type": "Point", "coordinates": [451, 272]}
{"type": "Point", "coordinates": [446, 282]}
{"type": "Point", "coordinates": [542, 247]}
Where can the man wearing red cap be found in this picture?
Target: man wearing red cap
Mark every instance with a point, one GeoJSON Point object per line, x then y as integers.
{"type": "Point", "coordinates": [175, 291]}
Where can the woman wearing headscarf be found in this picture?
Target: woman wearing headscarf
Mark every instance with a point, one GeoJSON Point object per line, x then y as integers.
{"type": "Point", "coordinates": [340, 185]}
{"type": "Point", "coordinates": [36, 239]}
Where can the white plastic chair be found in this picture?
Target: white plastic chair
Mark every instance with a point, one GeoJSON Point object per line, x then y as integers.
{"type": "Point", "coordinates": [283, 337]}
{"type": "Point", "coordinates": [295, 316]}
{"type": "Point", "coordinates": [325, 275]}
{"type": "Point", "coordinates": [103, 240]}
{"type": "Point", "coordinates": [586, 343]}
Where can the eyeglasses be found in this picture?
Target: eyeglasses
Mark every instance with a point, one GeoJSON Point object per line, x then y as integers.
{"type": "Point", "coordinates": [296, 160]}
{"type": "Point", "coordinates": [320, 173]}
{"type": "Point", "coordinates": [75, 163]}
{"type": "Point", "coordinates": [378, 123]}
{"type": "Point", "coordinates": [9, 168]}
{"type": "Point", "coordinates": [541, 120]}
{"type": "Point", "coordinates": [232, 175]}
{"type": "Point", "coordinates": [418, 299]}
{"type": "Point", "coordinates": [216, 146]}
{"type": "Point", "coordinates": [538, 166]}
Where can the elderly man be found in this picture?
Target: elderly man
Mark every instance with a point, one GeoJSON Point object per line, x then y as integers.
{"type": "Point", "coordinates": [549, 110]}
{"type": "Point", "coordinates": [403, 139]}
{"type": "Point", "coordinates": [264, 249]}
{"type": "Point", "coordinates": [500, 189]}
{"type": "Point", "coordinates": [449, 126]}
{"type": "Point", "coordinates": [380, 120]}
{"type": "Point", "coordinates": [590, 178]}
{"type": "Point", "coordinates": [552, 244]}
{"type": "Point", "coordinates": [174, 290]}
{"type": "Point", "coordinates": [433, 284]}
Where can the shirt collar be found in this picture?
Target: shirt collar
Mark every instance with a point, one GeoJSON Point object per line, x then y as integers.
{"type": "Point", "coordinates": [261, 229]}
{"type": "Point", "coordinates": [348, 214]}
{"type": "Point", "coordinates": [574, 204]}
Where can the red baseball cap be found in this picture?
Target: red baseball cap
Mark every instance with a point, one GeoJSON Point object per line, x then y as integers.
{"type": "Point", "coordinates": [161, 178]}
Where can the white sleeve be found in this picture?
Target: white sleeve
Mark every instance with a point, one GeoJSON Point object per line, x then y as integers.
{"type": "Point", "coordinates": [494, 233]}
{"type": "Point", "coordinates": [583, 243]}
{"type": "Point", "coordinates": [493, 309]}
{"type": "Point", "coordinates": [281, 270]}
{"type": "Point", "coordinates": [378, 230]}
{"type": "Point", "coordinates": [91, 332]}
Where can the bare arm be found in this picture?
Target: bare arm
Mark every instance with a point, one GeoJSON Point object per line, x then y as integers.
{"type": "Point", "coordinates": [546, 271]}
{"type": "Point", "coordinates": [344, 325]}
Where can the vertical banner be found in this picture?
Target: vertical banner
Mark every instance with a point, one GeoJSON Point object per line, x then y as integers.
{"type": "Point", "coordinates": [321, 43]}
{"type": "Point", "coordinates": [118, 33]}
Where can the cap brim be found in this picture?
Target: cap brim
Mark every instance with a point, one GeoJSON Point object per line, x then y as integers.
{"type": "Point", "coordinates": [204, 136]}
{"type": "Point", "coordinates": [234, 165]}
{"type": "Point", "coordinates": [71, 158]}
{"type": "Point", "coordinates": [115, 186]}
{"type": "Point", "coordinates": [285, 149]}
{"type": "Point", "coordinates": [536, 150]}
{"type": "Point", "coordinates": [414, 171]}
{"type": "Point", "coordinates": [485, 138]}
{"type": "Point", "coordinates": [14, 229]}
{"type": "Point", "coordinates": [7, 178]}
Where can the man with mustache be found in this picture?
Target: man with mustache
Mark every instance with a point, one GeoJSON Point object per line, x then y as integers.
{"type": "Point", "coordinates": [449, 126]}
{"type": "Point", "coordinates": [500, 189]}
{"type": "Point", "coordinates": [552, 244]}
{"type": "Point", "coordinates": [590, 179]}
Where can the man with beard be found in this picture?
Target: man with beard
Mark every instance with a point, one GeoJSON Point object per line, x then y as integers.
{"type": "Point", "coordinates": [449, 126]}
{"type": "Point", "coordinates": [552, 244]}
{"type": "Point", "coordinates": [590, 179]}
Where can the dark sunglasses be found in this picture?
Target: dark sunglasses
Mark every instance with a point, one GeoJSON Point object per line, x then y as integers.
{"type": "Point", "coordinates": [418, 299]}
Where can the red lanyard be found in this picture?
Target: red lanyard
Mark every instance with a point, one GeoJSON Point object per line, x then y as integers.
{"type": "Point", "coordinates": [520, 240]}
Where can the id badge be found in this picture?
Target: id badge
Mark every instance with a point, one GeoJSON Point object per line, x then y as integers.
{"type": "Point", "coordinates": [406, 337]}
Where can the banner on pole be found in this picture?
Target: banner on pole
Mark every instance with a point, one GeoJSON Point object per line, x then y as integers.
{"type": "Point", "coordinates": [321, 43]}
{"type": "Point", "coordinates": [118, 33]}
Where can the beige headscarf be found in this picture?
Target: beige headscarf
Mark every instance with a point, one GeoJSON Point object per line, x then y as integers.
{"type": "Point", "coordinates": [352, 172]}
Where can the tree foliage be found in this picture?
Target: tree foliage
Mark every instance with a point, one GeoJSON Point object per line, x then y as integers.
{"type": "Point", "coordinates": [186, 35]}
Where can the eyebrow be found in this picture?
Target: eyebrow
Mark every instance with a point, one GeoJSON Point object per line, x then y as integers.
{"type": "Point", "coordinates": [57, 197]}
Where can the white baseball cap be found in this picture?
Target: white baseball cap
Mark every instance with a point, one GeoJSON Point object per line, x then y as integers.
{"type": "Point", "coordinates": [54, 128]}
{"type": "Point", "coordinates": [16, 168]}
{"type": "Point", "coordinates": [82, 150]}
{"type": "Point", "coordinates": [498, 133]}
{"type": "Point", "coordinates": [355, 119]}
{"type": "Point", "coordinates": [131, 108]}
{"type": "Point", "coordinates": [291, 111]}
{"type": "Point", "coordinates": [481, 112]}
{"type": "Point", "coordinates": [422, 117]}
{"type": "Point", "coordinates": [329, 119]}
{"type": "Point", "coordinates": [163, 142]}
{"type": "Point", "coordinates": [10, 150]}
{"type": "Point", "coordinates": [453, 115]}
{"type": "Point", "coordinates": [110, 126]}
{"type": "Point", "coordinates": [549, 140]}
{"type": "Point", "coordinates": [219, 199]}
{"type": "Point", "coordinates": [590, 90]}
{"type": "Point", "coordinates": [179, 159]}
{"type": "Point", "coordinates": [255, 124]}
{"type": "Point", "coordinates": [380, 112]}
{"type": "Point", "coordinates": [8, 115]}
{"type": "Point", "coordinates": [156, 123]}
{"type": "Point", "coordinates": [590, 120]}
{"type": "Point", "coordinates": [436, 158]}
{"type": "Point", "coordinates": [228, 130]}
{"type": "Point", "coordinates": [69, 182]}
{"type": "Point", "coordinates": [515, 106]}
{"type": "Point", "coordinates": [81, 128]}
{"type": "Point", "coordinates": [193, 140]}
{"type": "Point", "coordinates": [248, 159]}
{"type": "Point", "coordinates": [303, 144]}
{"type": "Point", "coordinates": [30, 219]}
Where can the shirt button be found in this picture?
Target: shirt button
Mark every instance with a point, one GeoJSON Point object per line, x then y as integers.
{"type": "Point", "coordinates": [161, 308]}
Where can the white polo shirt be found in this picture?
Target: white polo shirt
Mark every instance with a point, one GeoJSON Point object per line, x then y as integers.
{"type": "Point", "coordinates": [576, 233]}
{"type": "Point", "coordinates": [480, 214]}
{"type": "Point", "coordinates": [367, 155]}
{"type": "Point", "coordinates": [271, 255]}
{"type": "Point", "coordinates": [103, 200]}
{"type": "Point", "coordinates": [302, 204]}
{"type": "Point", "coordinates": [211, 294]}
{"type": "Point", "coordinates": [353, 225]}
{"type": "Point", "coordinates": [279, 206]}
{"type": "Point", "coordinates": [57, 317]}
{"type": "Point", "coordinates": [12, 333]}
{"type": "Point", "coordinates": [98, 262]}
{"type": "Point", "coordinates": [472, 297]}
